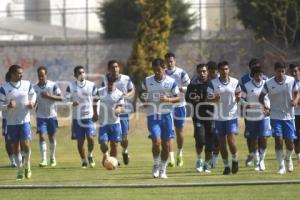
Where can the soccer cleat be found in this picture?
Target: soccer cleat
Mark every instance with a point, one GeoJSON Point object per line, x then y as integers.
{"type": "Point", "coordinates": [163, 174]}
{"type": "Point", "coordinates": [206, 168]}
{"type": "Point", "coordinates": [256, 167]}
{"type": "Point", "coordinates": [281, 170]}
{"type": "Point", "coordinates": [43, 163]}
{"type": "Point", "coordinates": [125, 158]}
{"type": "Point", "coordinates": [28, 173]}
{"type": "Point", "coordinates": [155, 171]}
{"type": "Point", "coordinates": [226, 171]}
{"type": "Point", "coordinates": [235, 167]}
{"type": "Point", "coordinates": [262, 165]}
{"type": "Point", "coordinates": [248, 161]}
{"type": "Point", "coordinates": [91, 162]}
{"type": "Point", "coordinates": [289, 165]}
{"type": "Point", "coordinates": [179, 161]}
{"type": "Point", "coordinates": [171, 163]}
{"type": "Point", "coordinates": [52, 162]}
{"type": "Point", "coordinates": [199, 166]}
{"type": "Point", "coordinates": [20, 176]}
{"type": "Point", "coordinates": [84, 165]}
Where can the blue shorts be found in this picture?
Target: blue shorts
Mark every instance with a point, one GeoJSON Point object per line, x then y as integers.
{"type": "Point", "coordinates": [82, 128]}
{"type": "Point", "coordinates": [46, 125]}
{"type": "Point", "coordinates": [283, 128]}
{"type": "Point", "coordinates": [179, 115]}
{"type": "Point", "coordinates": [160, 126]}
{"type": "Point", "coordinates": [226, 127]}
{"type": "Point", "coordinates": [110, 132]}
{"type": "Point", "coordinates": [20, 132]}
{"type": "Point", "coordinates": [258, 129]}
{"type": "Point", "coordinates": [4, 127]}
{"type": "Point", "coordinates": [124, 121]}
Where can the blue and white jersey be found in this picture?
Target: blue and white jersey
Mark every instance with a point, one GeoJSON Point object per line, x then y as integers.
{"type": "Point", "coordinates": [182, 79]}
{"type": "Point", "coordinates": [21, 92]}
{"type": "Point", "coordinates": [108, 103]}
{"type": "Point", "coordinates": [84, 93]}
{"type": "Point", "coordinates": [250, 94]}
{"type": "Point", "coordinates": [226, 108]}
{"type": "Point", "coordinates": [281, 95]}
{"type": "Point", "coordinates": [154, 89]}
{"type": "Point", "coordinates": [46, 107]}
{"type": "Point", "coordinates": [247, 77]}
{"type": "Point", "coordinates": [124, 84]}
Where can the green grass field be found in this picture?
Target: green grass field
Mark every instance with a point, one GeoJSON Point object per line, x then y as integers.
{"type": "Point", "coordinates": [69, 172]}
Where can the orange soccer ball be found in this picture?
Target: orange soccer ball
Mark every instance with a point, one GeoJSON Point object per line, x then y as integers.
{"type": "Point", "coordinates": [111, 163]}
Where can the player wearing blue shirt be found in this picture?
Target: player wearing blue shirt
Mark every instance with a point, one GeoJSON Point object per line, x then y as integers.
{"type": "Point", "coordinates": [159, 93]}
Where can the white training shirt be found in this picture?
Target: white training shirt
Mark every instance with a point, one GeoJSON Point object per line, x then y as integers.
{"type": "Point", "coordinates": [46, 107]}
{"type": "Point", "coordinates": [154, 88]}
{"type": "Point", "coordinates": [182, 80]}
{"type": "Point", "coordinates": [84, 94]}
{"type": "Point", "coordinates": [281, 95]}
{"type": "Point", "coordinates": [108, 103]}
{"type": "Point", "coordinates": [226, 108]}
{"type": "Point", "coordinates": [22, 92]}
{"type": "Point", "coordinates": [124, 84]}
{"type": "Point", "coordinates": [250, 94]}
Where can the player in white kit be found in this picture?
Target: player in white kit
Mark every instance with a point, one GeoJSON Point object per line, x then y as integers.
{"type": "Point", "coordinates": [179, 112]}
{"type": "Point", "coordinates": [284, 96]}
{"type": "Point", "coordinates": [48, 93]}
{"type": "Point", "coordinates": [159, 93]}
{"type": "Point", "coordinates": [81, 93]}
{"type": "Point", "coordinates": [17, 97]}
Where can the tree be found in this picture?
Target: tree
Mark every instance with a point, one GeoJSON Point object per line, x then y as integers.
{"type": "Point", "coordinates": [152, 37]}
{"type": "Point", "coordinates": [274, 20]}
{"type": "Point", "coordinates": [120, 18]}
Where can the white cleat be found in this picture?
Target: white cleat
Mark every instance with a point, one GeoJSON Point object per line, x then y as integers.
{"type": "Point", "coordinates": [155, 171]}
{"type": "Point", "coordinates": [281, 170]}
{"type": "Point", "coordinates": [289, 165]}
{"type": "Point", "coordinates": [262, 165]}
{"type": "Point", "coordinates": [163, 175]}
{"type": "Point", "coordinates": [256, 167]}
{"type": "Point", "coordinates": [199, 166]}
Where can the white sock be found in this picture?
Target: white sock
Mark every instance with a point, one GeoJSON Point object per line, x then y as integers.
{"type": "Point", "coordinates": [83, 160]}
{"type": "Point", "coordinates": [163, 165]}
{"type": "Point", "coordinates": [124, 150]}
{"type": "Point", "coordinates": [280, 157]}
{"type": "Point", "coordinates": [235, 157]}
{"type": "Point", "coordinates": [289, 154]}
{"type": "Point", "coordinates": [90, 154]}
{"type": "Point", "coordinates": [179, 152]}
{"type": "Point", "coordinates": [298, 156]}
{"type": "Point", "coordinates": [52, 149]}
{"type": "Point", "coordinates": [27, 159]}
{"type": "Point", "coordinates": [43, 149]}
{"type": "Point", "coordinates": [262, 154]}
{"type": "Point", "coordinates": [256, 158]}
{"type": "Point", "coordinates": [172, 157]}
{"type": "Point", "coordinates": [12, 159]}
{"type": "Point", "coordinates": [156, 160]}
{"type": "Point", "coordinates": [199, 156]}
{"type": "Point", "coordinates": [225, 162]}
{"type": "Point", "coordinates": [18, 159]}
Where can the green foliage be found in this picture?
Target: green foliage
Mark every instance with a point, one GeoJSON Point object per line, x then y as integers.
{"type": "Point", "coordinates": [274, 20]}
{"type": "Point", "coordinates": [120, 18]}
{"type": "Point", "coordinates": [152, 37]}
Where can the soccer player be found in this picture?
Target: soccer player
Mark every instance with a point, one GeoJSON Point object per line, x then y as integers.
{"type": "Point", "coordinates": [258, 125]}
{"type": "Point", "coordinates": [48, 93]}
{"type": "Point", "coordinates": [295, 72]}
{"type": "Point", "coordinates": [159, 92]}
{"type": "Point", "coordinates": [244, 79]}
{"type": "Point", "coordinates": [111, 107]}
{"type": "Point", "coordinates": [284, 96]}
{"type": "Point", "coordinates": [81, 93]}
{"type": "Point", "coordinates": [202, 117]}
{"type": "Point", "coordinates": [8, 145]}
{"type": "Point", "coordinates": [179, 113]}
{"type": "Point", "coordinates": [225, 92]}
{"type": "Point", "coordinates": [124, 84]}
{"type": "Point", "coordinates": [17, 97]}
